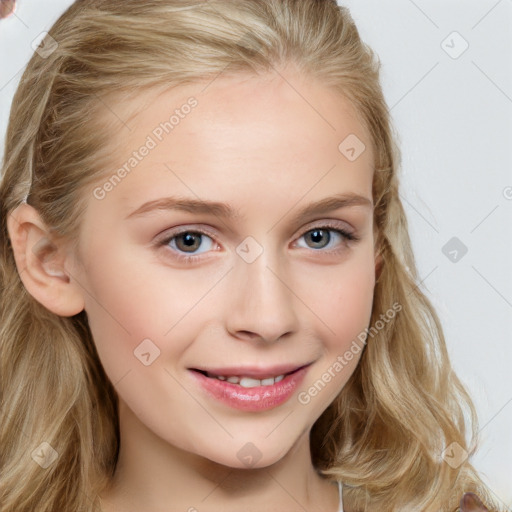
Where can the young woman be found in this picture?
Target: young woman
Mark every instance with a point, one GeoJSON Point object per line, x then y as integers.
{"type": "Point", "coordinates": [209, 299]}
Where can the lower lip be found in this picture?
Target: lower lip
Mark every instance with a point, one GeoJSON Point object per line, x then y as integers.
{"type": "Point", "coordinates": [259, 398]}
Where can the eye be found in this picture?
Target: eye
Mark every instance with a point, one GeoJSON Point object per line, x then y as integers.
{"type": "Point", "coordinates": [320, 237]}
{"type": "Point", "coordinates": [188, 242]}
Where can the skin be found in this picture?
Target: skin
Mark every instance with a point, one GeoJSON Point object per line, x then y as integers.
{"type": "Point", "coordinates": [258, 145]}
{"type": "Point", "coordinates": [470, 502]}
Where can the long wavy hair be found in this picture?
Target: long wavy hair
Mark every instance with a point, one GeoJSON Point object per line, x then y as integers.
{"type": "Point", "coordinates": [384, 434]}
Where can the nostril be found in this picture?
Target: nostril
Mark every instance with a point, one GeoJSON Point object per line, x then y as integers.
{"type": "Point", "coordinates": [248, 335]}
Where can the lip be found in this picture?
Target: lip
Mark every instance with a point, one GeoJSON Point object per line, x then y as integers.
{"type": "Point", "coordinates": [259, 398]}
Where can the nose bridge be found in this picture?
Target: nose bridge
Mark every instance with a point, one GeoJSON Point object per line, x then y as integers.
{"type": "Point", "coordinates": [262, 301]}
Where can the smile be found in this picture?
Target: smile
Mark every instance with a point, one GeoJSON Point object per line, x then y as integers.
{"type": "Point", "coordinates": [247, 393]}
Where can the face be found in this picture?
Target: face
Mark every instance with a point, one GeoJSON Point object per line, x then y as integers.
{"type": "Point", "coordinates": [256, 286]}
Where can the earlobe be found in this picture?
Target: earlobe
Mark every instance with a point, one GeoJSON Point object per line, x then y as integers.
{"type": "Point", "coordinates": [40, 260]}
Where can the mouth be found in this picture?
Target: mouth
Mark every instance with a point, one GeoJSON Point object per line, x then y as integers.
{"type": "Point", "coordinates": [250, 389]}
{"type": "Point", "coordinates": [248, 379]}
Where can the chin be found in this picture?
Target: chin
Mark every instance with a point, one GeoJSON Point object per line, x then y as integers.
{"type": "Point", "coordinates": [247, 456]}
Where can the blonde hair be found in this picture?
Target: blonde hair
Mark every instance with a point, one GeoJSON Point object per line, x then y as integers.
{"type": "Point", "coordinates": [384, 434]}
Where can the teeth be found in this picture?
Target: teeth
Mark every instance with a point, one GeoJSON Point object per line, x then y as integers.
{"type": "Point", "coordinates": [248, 382]}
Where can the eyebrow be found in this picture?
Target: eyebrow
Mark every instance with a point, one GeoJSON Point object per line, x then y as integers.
{"type": "Point", "coordinates": [223, 210]}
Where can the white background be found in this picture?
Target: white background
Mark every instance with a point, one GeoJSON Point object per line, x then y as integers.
{"type": "Point", "coordinates": [453, 114]}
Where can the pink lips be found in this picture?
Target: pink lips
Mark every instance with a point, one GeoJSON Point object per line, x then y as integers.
{"type": "Point", "coordinates": [259, 398]}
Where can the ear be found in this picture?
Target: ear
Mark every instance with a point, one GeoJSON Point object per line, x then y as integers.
{"type": "Point", "coordinates": [41, 261]}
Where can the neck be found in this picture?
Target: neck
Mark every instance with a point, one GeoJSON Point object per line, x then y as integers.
{"type": "Point", "coordinates": [153, 475]}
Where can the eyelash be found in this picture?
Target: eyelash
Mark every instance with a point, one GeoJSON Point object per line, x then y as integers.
{"type": "Point", "coordinates": [348, 237]}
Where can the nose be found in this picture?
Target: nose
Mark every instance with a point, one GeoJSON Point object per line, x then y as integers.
{"type": "Point", "coordinates": [262, 300]}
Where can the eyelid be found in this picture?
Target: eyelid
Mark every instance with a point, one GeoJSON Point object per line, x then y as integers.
{"type": "Point", "coordinates": [184, 229]}
{"type": "Point", "coordinates": [327, 223]}
{"type": "Point", "coordinates": [331, 223]}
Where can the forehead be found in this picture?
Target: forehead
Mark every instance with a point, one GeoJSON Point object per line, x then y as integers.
{"type": "Point", "coordinates": [217, 136]}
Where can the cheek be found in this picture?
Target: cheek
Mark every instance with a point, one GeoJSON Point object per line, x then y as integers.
{"type": "Point", "coordinates": [124, 309]}
{"type": "Point", "coordinates": [346, 302]}
{"type": "Point", "coordinates": [345, 311]}
{"type": "Point", "coordinates": [353, 299]}
{"type": "Point", "coordinates": [141, 313]}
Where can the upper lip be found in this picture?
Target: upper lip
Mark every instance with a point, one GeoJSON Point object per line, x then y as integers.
{"type": "Point", "coordinates": [256, 372]}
